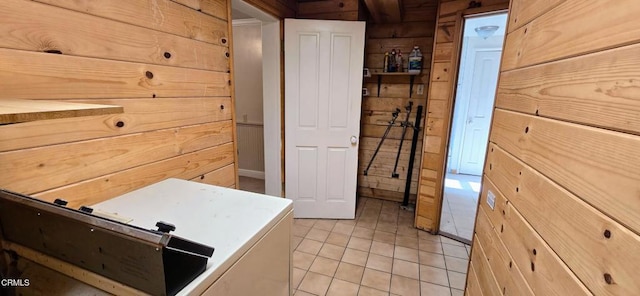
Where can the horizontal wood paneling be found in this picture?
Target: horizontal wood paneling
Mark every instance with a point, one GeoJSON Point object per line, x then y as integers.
{"type": "Point", "coordinates": [569, 30]}
{"type": "Point", "coordinates": [473, 286]}
{"type": "Point", "coordinates": [217, 8]}
{"type": "Point", "coordinates": [224, 177]}
{"type": "Point", "coordinates": [390, 90]}
{"type": "Point", "coordinates": [34, 26]}
{"type": "Point", "coordinates": [386, 183]}
{"type": "Point", "coordinates": [337, 16]}
{"type": "Point", "coordinates": [487, 281]}
{"type": "Point", "coordinates": [384, 194]}
{"type": "Point", "coordinates": [522, 12]}
{"type": "Point", "coordinates": [277, 8]}
{"type": "Point", "coordinates": [520, 239]}
{"type": "Point", "coordinates": [35, 169]}
{"type": "Point", "coordinates": [347, 10]}
{"type": "Point", "coordinates": [563, 158]}
{"type": "Point", "coordinates": [377, 131]}
{"type": "Point", "coordinates": [382, 45]}
{"type": "Point", "coordinates": [567, 213]}
{"type": "Point", "coordinates": [141, 115]}
{"type": "Point", "coordinates": [507, 273]}
{"type": "Point", "coordinates": [326, 6]}
{"type": "Point", "coordinates": [161, 15]}
{"type": "Point", "coordinates": [52, 76]}
{"type": "Point", "coordinates": [187, 166]}
{"type": "Point", "coordinates": [416, 28]}
{"type": "Point", "coordinates": [593, 89]}
{"type": "Point", "coordinates": [407, 30]}
{"type": "Point", "coordinates": [165, 63]}
{"type": "Point", "coordinates": [387, 104]}
{"type": "Point", "coordinates": [578, 158]}
{"type": "Point", "coordinates": [383, 118]}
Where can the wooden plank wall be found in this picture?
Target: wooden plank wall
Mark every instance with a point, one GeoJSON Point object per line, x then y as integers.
{"type": "Point", "coordinates": [278, 8]}
{"type": "Point", "coordinates": [563, 161]}
{"type": "Point", "coordinates": [441, 93]}
{"type": "Point", "coordinates": [166, 62]}
{"type": "Point", "coordinates": [343, 10]}
{"type": "Point", "coordinates": [417, 28]}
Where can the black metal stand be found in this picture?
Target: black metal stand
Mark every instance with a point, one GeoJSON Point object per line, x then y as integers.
{"type": "Point", "coordinates": [412, 157]}
{"type": "Point", "coordinates": [404, 125]}
{"type": "Point", "coordinates": [386, 133]}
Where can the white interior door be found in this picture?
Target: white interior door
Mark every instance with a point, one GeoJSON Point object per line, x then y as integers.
{"type": "Point", "coordinates": [478, 119]}
{"type": "Point", "coordinates": [323, 94]}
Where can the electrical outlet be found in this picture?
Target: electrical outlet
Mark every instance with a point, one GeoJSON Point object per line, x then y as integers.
{"type": "Point", "coordinates": [244, 117]}
{"type": "Point", "coordinates": [420, 89]}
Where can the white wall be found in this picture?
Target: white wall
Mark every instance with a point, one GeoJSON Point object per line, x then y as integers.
{"type": "Point", "coordinates": [247, 59]}
{"type": "Point", "coordinates": [271, 94]}
{"type": "Point", "coordinates": [247, 75]}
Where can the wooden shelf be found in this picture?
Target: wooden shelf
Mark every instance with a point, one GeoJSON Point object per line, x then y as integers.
{"type": "Point", "coordinates": [17, 110]}
{"type": "Point", "coordinates": [394, 74]}
{"type": "Point", "coordinates": [412, 77]}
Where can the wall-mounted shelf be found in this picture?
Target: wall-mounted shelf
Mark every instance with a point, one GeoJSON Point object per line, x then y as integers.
{"type": "Point", "coordinates": [17, 110]}
{"type": "Point", "coordinates": [411, 79]}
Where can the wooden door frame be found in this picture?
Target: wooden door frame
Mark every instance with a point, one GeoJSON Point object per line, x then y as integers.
{"type": "Point", "coordinates": [455, 61]}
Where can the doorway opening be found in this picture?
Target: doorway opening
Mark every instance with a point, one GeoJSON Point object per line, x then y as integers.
{"type": "Point", "coordinates": [256, 51]}
{"type": "Point", "coordinates": [482, 44]}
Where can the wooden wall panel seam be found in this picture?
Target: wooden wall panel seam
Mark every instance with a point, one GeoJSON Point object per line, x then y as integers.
{"type": "Point", "coordinates": [522, 239]}
{"type": "Point", "coordinates": [518, 22]}
{"type": "Point", "coordinates": [472, 283]}
{"type": "Point", "coordinates": [570, 215]}
{"type": "Point", "coordinates": [213, 8]}
{"type": "Point", "coordinates": [17, 141]}
{"type": "Point", "coordinates": [159, 15]}
{"type": "Point", "coordinates": [394, 93]}
{"type": "Point", "coordinates": [592, 89]}
{"type": "Point", "coordinates": [488, 283]}
{"type": "Point", "coordinates": [101, 188]}
{"type": "Point", "coordinates": [579, 166]}
{"type": "Point", "coordinates": [223, 176]}
{"type": "Point", "coordinates": [34, 170]}
{"type": "Point", "coordinates": [510, 277]}
{"type": "Point", "coordinates": [67, 77]}
{"type": "Point", "coordinates": [565, 20]}
{"type": "Point", "coordinates": [47, 28]}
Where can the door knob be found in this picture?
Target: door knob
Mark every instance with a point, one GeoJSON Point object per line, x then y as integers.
{"type": "Point", "coordinates": [354, 140]}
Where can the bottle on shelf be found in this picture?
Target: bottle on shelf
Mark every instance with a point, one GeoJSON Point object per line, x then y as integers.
{"type": "Point", "coordinates": [415, 61]}
{"type": "Point", "coordinates": [385, 66]}
{"type": "Point", "coordinates": [399, 62]}
{"type": "Point", "coordinates": [392, 61]}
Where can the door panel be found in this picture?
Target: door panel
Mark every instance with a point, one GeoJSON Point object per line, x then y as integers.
{"type": "Point", "coordinates": [323, 80]}
{"type": "Point", "coordinates": [483, 90]}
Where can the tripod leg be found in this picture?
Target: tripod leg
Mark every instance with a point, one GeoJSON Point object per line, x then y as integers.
{"type": "Point", "coordinates": [404, 129]}
{"type": "Point", "coordinates": [412, 157]}
{"type": "Point", "coordinates": [386, 133]}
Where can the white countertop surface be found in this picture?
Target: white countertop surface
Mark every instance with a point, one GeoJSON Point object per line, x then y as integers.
{"type": "Point", "coordinates": [229, 220]}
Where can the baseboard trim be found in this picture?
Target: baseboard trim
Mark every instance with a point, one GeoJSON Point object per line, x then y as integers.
{"type": "Point", "coordinates": [251, 174]}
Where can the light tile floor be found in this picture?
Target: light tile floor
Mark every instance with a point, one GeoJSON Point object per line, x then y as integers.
{"type": "Point", "coordinates": [459, 205]}
{"type": "Point", "coordinates": [378, 253]}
